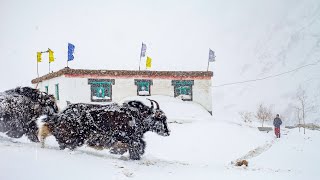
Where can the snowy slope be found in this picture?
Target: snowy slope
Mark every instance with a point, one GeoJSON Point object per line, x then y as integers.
{"type": "Point", "coordinates": [279, 37]}
{"type": "Point", "coordinates": [296, 153]}
{"type": "Point", "coordinates": [199, 149]}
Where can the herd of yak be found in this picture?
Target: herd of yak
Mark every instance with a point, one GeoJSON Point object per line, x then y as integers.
{"type": "Point", "coordinates": [30, 112]}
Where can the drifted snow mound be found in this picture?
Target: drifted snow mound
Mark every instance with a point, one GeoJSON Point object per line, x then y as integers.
{"type": "Point", "coordinates": [175, 109]}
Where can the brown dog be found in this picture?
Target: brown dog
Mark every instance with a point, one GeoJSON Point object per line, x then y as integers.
{"type": "Point", "coordinates": [242, 162]}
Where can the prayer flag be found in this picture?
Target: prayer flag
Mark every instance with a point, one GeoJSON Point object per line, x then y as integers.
{"type": "Point", "coordinates": [143, 50]}
{"type": "Point", "coordinates": [211, 56]}
{"type": "Point", "coordinates": [148, 63]}
{"type": "Point", "coordinates": [51, 57]}
{"type": "Point", "coordinates": [70, 51]}
{"type": "Point", "coordinates": [39, 57]}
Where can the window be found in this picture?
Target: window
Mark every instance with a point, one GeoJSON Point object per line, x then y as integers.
{"type": "Point", "coordinates": [101, 89]}
{"type": "Point", "coordinates": [57, 91]}
{"type": "Point", "coordinates": [46, 89]}
{"type": "Point", "coordinates": [183, 89]}
{"type": "Point", "coordinates": [143, 87]}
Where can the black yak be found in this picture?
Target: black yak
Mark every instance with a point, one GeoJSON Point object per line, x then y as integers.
{"type": "Point", "coordinates": [105, 126]}
{"type": "Point", "coordinates": [20, 108]}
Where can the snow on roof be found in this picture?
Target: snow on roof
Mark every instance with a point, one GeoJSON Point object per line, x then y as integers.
{"type": "Point", "coordinates": [125, 73]}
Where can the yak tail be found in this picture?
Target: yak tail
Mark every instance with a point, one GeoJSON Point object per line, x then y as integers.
{"type": "Point", "coordinates": [43, 130]}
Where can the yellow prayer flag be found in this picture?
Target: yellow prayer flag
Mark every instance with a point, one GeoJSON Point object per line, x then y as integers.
{"type": "Point", "coordinates": [39, 57]}
{"type": "Point", "coordinates": [148, 63]}
{"type": "Point", "coordinates": [51, 58]}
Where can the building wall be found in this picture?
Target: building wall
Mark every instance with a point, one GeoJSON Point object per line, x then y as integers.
{"type": "Point", "coordinates": [123, 88]}
{"type": "Point", "coordinates": [63, 89]}
{"type": "Point", "coordinates": [77, 89]}
{"type": "Point", "coordinates": [202, 93]}
{"type": "Point", "coordinates": [162, 87]}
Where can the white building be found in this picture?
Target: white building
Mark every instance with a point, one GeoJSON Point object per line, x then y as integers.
{"type": "Point", "coordinates": [101, 86]}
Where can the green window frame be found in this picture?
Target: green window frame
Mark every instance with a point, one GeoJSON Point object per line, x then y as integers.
{"type": "Point", "coordinates": [57, 91]}
{"type": "Point", "coordinates": [101, 89]}
{"type": "Point", "coordinates": [186, 90]}
{"type": "Point", "coordinates": [143, 87]}
{"type": "Point", "coordinates": [46, 88]}
{"type": "Point", "coordinates": [183, 89]}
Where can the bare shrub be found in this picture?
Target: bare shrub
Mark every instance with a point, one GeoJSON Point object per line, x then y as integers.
{"type": "Point", "coordinates": [303, 107]}
{"type": "Point", "coordinates": [246, 116]}
{"type": "Point", "coordinates": [264, 113]}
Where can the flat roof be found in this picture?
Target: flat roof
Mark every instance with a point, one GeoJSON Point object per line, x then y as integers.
{"type": "Point", "coordinates": [86, 73]}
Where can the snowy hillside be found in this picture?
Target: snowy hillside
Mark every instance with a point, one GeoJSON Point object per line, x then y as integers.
{"type": "Point", "coordinates": [198, 149]}
{"type": "Point", "coordinates": [280, 37]}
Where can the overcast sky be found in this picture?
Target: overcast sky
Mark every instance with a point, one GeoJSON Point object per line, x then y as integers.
{"type": "Point", "coordinates": [251, 38]}
{"type": "Point", "coordinates": [108, 34]}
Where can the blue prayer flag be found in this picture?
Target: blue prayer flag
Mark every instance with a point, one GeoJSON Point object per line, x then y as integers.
{"type": "Point", "coordinates": [70, 51]}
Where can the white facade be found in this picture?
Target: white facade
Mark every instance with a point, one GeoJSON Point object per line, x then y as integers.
{"type": "Point", "coordinates": [78, 89]}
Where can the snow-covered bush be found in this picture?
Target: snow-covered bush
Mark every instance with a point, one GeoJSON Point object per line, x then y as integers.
{"type": "Point", "coordinates": [246, 116]}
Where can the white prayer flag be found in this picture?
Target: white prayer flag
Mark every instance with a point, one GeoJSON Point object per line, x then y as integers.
{"type": "Point", "coordinates": [211, 56]}
{"type": "Point", "coordinates": [143, 50]}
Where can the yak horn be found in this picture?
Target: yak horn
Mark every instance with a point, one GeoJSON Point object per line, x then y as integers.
{"type": "Point", "coordinates": [151, 103]}
{"type": "Point", "coordinates": [158, 107]}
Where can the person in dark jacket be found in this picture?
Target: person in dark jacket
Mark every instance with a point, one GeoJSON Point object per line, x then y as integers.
{"type": "Point", "coordinates": [277, 123]}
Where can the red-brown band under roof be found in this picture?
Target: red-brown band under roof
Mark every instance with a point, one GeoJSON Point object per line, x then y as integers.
{"type": "Point", "coordinates": [125, 74]}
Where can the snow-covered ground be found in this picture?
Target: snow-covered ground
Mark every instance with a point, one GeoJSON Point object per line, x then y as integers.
{"type": "Point", "coordinates": [198, 148]}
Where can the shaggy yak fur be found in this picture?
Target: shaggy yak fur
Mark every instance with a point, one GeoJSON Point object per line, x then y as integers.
{"type": "Point", "coordinates": [20, 108]}
{"type": "Point", "coordinates": [106, 126]}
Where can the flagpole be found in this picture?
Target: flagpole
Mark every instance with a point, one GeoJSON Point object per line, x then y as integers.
{"type": "Point", "coordinates": [68, 56]}
{"type": "Point", "coordinates": [49, 67]}
{"type": "Point", "coordinates": [139, 62]}
{"type": "Point", "coordinates": [140, 55]}
{"type": "Point", "coordinates": [37, 68]}
{"type": "Point", "coordinates": [208, 66]}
